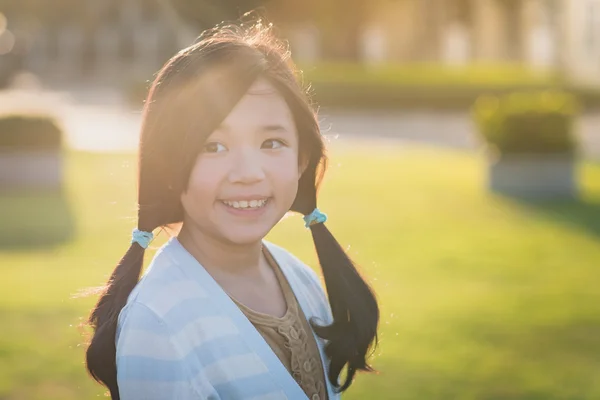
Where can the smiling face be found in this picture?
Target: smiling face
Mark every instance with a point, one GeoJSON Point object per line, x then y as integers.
{"type": "Point", "coordinates": [246, 177]}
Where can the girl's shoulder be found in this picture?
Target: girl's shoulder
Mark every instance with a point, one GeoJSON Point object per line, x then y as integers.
{"type": "Point", "coordinates": [162, 284]}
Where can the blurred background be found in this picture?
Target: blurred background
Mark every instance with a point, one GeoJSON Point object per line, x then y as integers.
{"type": "Point", "coordinates": [464, 138]}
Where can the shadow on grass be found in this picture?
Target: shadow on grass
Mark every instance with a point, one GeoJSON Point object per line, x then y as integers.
{"type": "Point", "coordinates": [35, 219]}
{"type": "Point", "coordinates": [578, 210]}
{"type": "Point", "coordinates": [582, 214]}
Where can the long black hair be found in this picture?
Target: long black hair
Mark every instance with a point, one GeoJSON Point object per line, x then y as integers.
{"type": "Point", "coordinates": [191, 95]}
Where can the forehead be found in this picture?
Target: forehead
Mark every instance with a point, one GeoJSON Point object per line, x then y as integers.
{"type": "Point", "coordinates": [262, 104]}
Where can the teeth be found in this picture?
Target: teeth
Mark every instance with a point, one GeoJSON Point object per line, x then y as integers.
{"type": "Point", "coordinates": [246, 204]}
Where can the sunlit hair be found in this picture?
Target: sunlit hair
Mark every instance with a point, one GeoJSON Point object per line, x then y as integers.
{"type": "Point", "coordinates": [191, 95]}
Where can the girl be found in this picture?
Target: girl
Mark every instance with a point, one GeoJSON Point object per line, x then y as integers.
{"type": "Point", "coordinates": [229, 145]}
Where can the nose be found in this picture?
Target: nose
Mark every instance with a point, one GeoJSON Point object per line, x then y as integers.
{"type": "Point", "coordinates": [246, 167]}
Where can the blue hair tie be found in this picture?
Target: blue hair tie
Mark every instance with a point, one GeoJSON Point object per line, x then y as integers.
{"type": "Point", "coordinates": [315, 217]}
{"type": "Point", "coordinates": [142, 238]}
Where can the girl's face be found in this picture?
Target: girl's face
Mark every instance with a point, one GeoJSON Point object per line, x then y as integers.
{"type": "Point", "coordinates": [246, 177]}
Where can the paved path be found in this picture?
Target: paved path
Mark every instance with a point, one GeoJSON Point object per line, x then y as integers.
{"type": "Point", "coordinates": [100, 120]}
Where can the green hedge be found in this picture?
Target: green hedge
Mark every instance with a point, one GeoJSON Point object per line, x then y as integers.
{"type": "Point", "coordinates": [528, 122]}
{"type": "Point", "coordinates": [30, 132]}
{"type": "Point", "coordinates": [405, 86]}
{"type": "Point", "coordinates": [427, 75]}
{"type": "Point", "coordinates": [351, 84]}
{"type": "Point", "coordinates": [436, 86]}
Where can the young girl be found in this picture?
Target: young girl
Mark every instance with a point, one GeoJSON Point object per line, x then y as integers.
{"type": "Point", "coordinates": [229, 145]}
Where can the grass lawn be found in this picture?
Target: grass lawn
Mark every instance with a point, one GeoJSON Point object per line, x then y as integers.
{"type": "Point", "coordinates": [482, 297]}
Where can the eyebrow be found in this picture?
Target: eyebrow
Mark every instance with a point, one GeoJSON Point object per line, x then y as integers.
{"type": "Point", "coordinates": [263, 128]}
{"type": "Point", "coordinates": [274, 128]}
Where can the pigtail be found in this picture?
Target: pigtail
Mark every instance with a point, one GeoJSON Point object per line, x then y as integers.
{"type": "Point", "coordinates": [101, 352]}
{"type": "Point", "coordinates": [354, 308]}
{"type": "Point", "coordinates": [353, 304]}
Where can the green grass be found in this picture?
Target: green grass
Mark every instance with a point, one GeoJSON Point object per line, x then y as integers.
{"type": "Point", "coordinates": [482, 297]}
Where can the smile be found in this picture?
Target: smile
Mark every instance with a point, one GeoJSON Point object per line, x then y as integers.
{"type": "Point", "coordinates": [245, 204]}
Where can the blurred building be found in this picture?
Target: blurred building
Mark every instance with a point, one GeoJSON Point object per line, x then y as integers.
{"type": "Point", "coordinates": [111, 39]}
{"type": "Point", "coordinates": [581, 42]}
{"type": "Point", "coordinates": [133, 38]}
{"type": "Point", "coordinates": [545, 34]}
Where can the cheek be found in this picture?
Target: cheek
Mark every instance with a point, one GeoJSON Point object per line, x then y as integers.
{"type": "Point", "coordinates": [201, 186]}
{"type": "Point", "coordinates": [287, 174]}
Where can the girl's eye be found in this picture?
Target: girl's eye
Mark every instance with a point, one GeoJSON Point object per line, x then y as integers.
{"type": "Point", "coordinates": [213, 147]}
{"type": "Point", "coordinates": [273, 144]}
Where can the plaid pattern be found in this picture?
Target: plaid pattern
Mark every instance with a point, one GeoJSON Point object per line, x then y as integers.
{"type": "Point", "coordinates": [181, 337]}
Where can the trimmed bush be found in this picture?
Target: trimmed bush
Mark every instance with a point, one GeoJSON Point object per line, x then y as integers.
{"type": "Point", "coordinates": [30, 153]}
{"type": "Point", "coordinates": [528, 122]}
{"type": "Point", "coordinates": [29, 132]}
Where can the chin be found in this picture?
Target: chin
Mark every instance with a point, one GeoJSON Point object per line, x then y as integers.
{"type": "Point", "coordinates": [245, 237]}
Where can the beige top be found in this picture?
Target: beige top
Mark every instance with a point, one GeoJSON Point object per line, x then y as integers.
{"type": "Point", "coordinates": [291, 338]}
